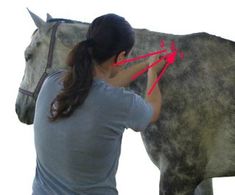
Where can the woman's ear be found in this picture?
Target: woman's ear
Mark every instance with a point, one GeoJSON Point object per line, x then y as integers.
{"type": "Point", "coordinates": [121, 56]}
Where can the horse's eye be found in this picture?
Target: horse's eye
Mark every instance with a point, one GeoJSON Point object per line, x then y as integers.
{"type": "Point", "coordinates": [38, 44]}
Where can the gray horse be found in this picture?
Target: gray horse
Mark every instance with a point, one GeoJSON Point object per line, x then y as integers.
{"type": "Point", "coordinates": [194, 138]}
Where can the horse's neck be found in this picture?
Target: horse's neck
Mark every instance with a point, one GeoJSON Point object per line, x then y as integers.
{"type": "Point", "coordinates": [59, 58]}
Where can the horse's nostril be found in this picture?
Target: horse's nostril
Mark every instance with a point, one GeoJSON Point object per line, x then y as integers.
{"type": "Point", "coordinates": [28, 57]}
{"type": "Point", "coordinates": [17, 109]}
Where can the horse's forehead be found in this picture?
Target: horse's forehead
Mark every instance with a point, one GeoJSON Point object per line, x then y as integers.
{"type": "Point", "coordinates": [37, 37]}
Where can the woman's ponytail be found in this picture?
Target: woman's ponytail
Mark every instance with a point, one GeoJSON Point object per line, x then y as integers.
{"type": "Point", "coordinates": [76, 82]}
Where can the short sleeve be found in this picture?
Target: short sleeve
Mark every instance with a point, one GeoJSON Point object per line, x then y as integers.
{"type": "Point", "coordinates": [139, 114]}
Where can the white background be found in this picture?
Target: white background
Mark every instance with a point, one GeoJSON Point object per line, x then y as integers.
{"type": "Point", "coordinates": [136, 174]}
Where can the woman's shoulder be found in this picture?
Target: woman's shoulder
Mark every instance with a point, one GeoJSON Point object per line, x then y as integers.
{"type": "Point", "coordinates": [117, 95]}
{"type": "Point", "coordinates": [55, 77]}
{"type": "Point", "coordinates": [56, 73]}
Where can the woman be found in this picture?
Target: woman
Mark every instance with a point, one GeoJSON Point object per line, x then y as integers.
{"type": "Point", "coordinates": [81, 113]}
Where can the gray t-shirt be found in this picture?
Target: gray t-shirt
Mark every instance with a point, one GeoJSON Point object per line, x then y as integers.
{"type": "Point", "coordinates": [79, 154]}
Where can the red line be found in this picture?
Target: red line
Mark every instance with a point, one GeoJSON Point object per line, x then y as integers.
{"type": "Point", "coordinates": [146, 68]}
{"type": "Point", "coordinates": [158, 78]}
{"type": "Point", "coordinates": [139, 57]}
{"type": "Point", "coordinates": [139, 73]}
{"type": "Point", "coordinates": [156, 62]}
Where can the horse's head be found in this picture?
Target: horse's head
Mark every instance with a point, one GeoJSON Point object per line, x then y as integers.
{"type": "Point", "coordinates": [42, 57]}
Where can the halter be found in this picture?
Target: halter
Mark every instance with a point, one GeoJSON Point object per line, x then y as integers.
{"type": "Point", "coordinates": [34, 94]}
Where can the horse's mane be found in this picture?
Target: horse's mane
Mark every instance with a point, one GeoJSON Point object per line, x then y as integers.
{"type": "Point", "coordinates": [65, 21]}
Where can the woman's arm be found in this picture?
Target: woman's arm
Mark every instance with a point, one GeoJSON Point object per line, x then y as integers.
{"type": "Point", "coordinates": [155, 98]}
{"type": "Point", "coordinates": [123, 77]}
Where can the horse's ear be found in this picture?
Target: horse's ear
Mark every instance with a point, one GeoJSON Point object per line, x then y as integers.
{"type": "Point", "coordinates": [40, 23]}
{"type": "Point", "coordinates": [49, 17]}
{"type": "Point", "coordinates": [37, 20]}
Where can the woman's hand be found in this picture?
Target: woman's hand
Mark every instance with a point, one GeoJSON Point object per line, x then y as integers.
{"type": "Point", "coordinates": [158, 67]}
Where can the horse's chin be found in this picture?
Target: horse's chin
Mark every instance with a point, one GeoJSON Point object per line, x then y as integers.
{"type": "Point", "coordinates": [25, 108]}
